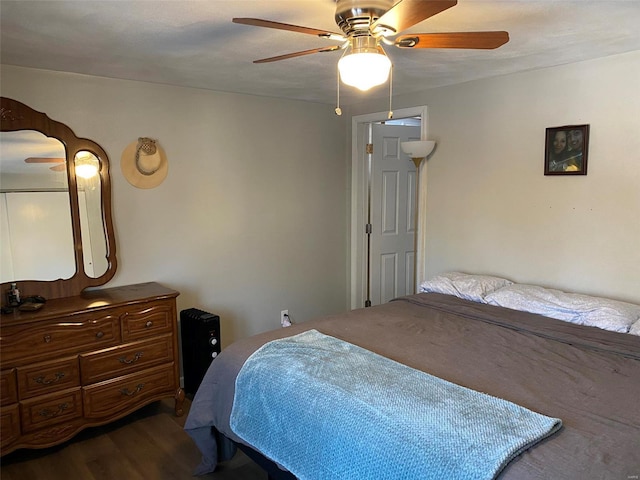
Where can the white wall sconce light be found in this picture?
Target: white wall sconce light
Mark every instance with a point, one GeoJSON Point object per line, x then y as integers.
{"type": "Point", "coordinates": [418, 150]}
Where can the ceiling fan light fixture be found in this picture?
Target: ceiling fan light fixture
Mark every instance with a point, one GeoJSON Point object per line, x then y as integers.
{"type": "Point", "coordinates": [86, 165]}
{"type": "Point", "coordinates": [365, 66]}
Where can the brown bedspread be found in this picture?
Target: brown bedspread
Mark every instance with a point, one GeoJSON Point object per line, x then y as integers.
{"type": "Point", "coordinates": [589, 378]}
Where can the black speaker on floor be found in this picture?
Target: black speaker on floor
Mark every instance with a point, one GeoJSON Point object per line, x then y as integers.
{"type": "Point", "coordinates": [200, 345]}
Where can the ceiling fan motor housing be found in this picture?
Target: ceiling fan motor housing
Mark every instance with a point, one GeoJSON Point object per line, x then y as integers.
{"type": "Point", "coordinates": [354, 17]}
{"type": "Point", "coordinates": [365, 45]}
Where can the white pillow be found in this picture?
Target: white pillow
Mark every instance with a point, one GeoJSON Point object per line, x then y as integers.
{"type": "Point", "coordinates": [463, 285]}
{"type": "Point", "coordinates": [570, 307]}
{"type": "Point", "coordinates": [635, 328]}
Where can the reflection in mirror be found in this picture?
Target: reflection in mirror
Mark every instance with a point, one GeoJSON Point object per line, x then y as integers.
{"type": "Point", "coordinates": [87, 165]}
{"type": "Point", "coordinates": [36, 236]}
{"type": "Point", "coordinates": [94, 246]}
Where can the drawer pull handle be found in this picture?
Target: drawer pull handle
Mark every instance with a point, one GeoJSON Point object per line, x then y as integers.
{"type": "Point", "coordinates": [47, 338]}
{"type": "Point", "coordinates": [135, 358]}
{"type": "Point", "coordinates": [46, 413]}
{"type": "Point", "coordinates": [125, 391]}
{"type": "Point", "coordinates": [43, 381]}
{"type": "Point", "coordinates": [149, 324]}
{"type": "Point", "coordinates": [99, 335]}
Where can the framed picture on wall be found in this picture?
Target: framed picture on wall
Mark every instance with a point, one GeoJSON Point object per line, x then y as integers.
{"type": "Point", "coordinates": [566, 150]}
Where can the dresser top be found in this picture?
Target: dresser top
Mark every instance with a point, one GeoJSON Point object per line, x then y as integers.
{"type": "Point", "coordinates": [91, 300]}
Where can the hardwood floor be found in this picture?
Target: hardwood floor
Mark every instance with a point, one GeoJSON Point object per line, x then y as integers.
{"type": "Point", "coordinates": [147, 445]}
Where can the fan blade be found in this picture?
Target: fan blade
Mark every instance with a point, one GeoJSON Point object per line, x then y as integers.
{"type": "Point", "coordinates": [298, 54]}
{"type": "Point", "coordinates": [256, 22]}
{"type": "Point", "coordinates": [471, 40]}
{"type": "Point", "coordinates": [44, 160]}
{"type": "Point", "coordinates": [58, 168]}
{"type": "Point", "coordinates": [407, 13]}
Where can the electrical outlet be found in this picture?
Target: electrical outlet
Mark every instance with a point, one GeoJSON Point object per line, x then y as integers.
{"type": "Point", "coordinates": [285, 321]}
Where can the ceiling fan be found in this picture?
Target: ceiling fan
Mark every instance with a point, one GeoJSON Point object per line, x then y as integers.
{"type": "Point", "coordinates": [59, 163]}
{"type": "Point", "coordinates": [86, 164]}
{"type": "Point", "coordinates": [368, 25]}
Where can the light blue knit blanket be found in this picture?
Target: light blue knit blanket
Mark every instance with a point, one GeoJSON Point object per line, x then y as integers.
{"type": "Point", "coordinates": [328, 410]}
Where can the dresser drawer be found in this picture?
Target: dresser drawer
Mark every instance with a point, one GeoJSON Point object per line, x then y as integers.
{"type": "Point", "coordinates": [43, 339]}
{"type": "Point", "coordinates": [46, 410]}
{"type": "Point", "coordinates": [47, 377]}
{"type": "Point", "coordinates": [9, 424]}
{"type": "Point", "coordinates": [8, 387]}
{"type": "Point", "coordinates": [147, 322]}
{"type": "Point", "coordinates": [126, 393]}
{"type": "Point", "coordinates": [132, 357]}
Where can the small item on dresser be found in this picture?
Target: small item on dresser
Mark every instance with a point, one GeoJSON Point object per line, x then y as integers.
{"type": "Point", "coordinates": [30, 306]}
{"type": "Point", "coordinates": [35, 299]}
{"type": "Point", "coordinates": [13, 295]}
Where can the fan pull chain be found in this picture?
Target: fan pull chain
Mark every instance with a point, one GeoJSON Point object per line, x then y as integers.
{"type": "Point", "coordinates": [390, 115]}
{"type": "Point", "coordinates": [338, 110]}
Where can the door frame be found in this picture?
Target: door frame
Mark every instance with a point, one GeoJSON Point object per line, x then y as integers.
{"type": "Point", "coordinates": [360, 202]}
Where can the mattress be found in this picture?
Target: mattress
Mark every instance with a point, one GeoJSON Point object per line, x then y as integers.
{"type": "Point", "coordinates": [587, 377]}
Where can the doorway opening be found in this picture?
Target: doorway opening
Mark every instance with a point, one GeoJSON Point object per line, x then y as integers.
{"type": "Point", "coordinates": [368, 285]}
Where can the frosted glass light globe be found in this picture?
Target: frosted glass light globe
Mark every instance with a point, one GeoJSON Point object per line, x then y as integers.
{"type": "Point", "coordinates": [364, 70]}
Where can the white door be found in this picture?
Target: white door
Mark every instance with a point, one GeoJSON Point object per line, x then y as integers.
{"type": "Point", "coordinates": [393, 207]}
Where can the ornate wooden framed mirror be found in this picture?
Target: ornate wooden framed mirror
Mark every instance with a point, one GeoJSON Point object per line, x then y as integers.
{"type": "Point", "coordinates": [56, 231]}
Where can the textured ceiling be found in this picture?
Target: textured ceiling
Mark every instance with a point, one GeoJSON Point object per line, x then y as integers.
{"type": "Point", "coordinates": [194, 43]}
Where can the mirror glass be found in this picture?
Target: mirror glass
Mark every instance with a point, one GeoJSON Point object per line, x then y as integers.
{"type": "Point", "coordinates": [35, 213]}
{"type": "Point", "coordinates": [94, 245]}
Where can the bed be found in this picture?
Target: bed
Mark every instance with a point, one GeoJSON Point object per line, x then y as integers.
{"type": "Point", "coordinates": [586, 376]}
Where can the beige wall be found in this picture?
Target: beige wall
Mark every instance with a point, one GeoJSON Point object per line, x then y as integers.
{"type": "Point", "coordinates": [252, 218]}
{"type": "Point", "coordinates": [491, 209]}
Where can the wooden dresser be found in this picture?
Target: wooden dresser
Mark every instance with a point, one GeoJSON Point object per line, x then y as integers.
{"type": "Point", "coordinates": [84, 361]}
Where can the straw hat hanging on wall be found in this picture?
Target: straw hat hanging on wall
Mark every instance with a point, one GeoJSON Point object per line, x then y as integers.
{"type": "Point", "coordinates": [144, 163]}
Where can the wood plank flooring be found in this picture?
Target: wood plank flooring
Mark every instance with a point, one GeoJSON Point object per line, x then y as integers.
{"type": "Point", "coordinates": [149, 444]}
